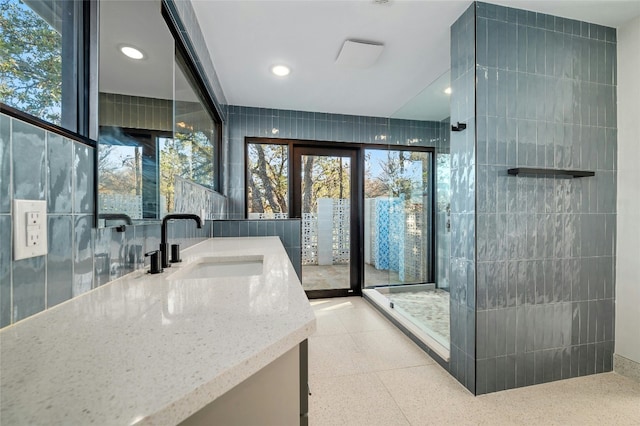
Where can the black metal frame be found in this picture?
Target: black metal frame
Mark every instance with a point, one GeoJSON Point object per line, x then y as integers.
{"type": "Point", "coordinates": [81, 85]}
{"type": "Point", "coordinates": [45, 125]}
{"type": "Point", "coordinates": [295, 196]}
{"type": "Point", "coordinates": [358, 184]}
{"type": "Point", "coordinates": [79, 92]}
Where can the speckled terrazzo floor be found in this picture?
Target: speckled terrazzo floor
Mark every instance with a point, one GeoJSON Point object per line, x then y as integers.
{"type": "Point", "coordinates": [364, 371]}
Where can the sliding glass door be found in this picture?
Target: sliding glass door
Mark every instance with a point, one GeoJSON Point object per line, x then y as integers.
{"type": "Point", "coordinates": [324, 198]}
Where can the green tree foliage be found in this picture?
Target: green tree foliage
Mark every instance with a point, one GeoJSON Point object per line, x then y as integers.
{"type": "Point", "coordinates": [31, 62]}
{"type": "Point", "coordinates": [268, 178]}
{"type": "Point", "coordinates": [325, 177]}
{"type": "Point", "coordinates": [398, 173]}
{"type": "Point", "coordinates": [188, 155]}
{"type": "Point", "coordinates": [394, 174]}
{"type": "Point", "coordinates": [119, 170]}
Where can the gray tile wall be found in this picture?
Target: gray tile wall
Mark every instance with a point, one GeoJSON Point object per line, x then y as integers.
{"type": "Point", "coordinates": [288, 230]}
{"type": "Point", "coordinates": [463, 193]}
{"type": "Point", "coordinates": [135, 112]}
{"type": "Point", "coordinates": [36, 164]}
{"type": "Point", "coordinates": [272, 123]}
{"type": "Point", "coordinates": [546, 97]}
{"type": "Point", "coordinates": [45, 166]}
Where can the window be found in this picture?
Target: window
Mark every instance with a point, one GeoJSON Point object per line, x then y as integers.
{"type": "Point", "coordinates": [267, 181]}
{"type": "Point", "coordinates": [41, 65]}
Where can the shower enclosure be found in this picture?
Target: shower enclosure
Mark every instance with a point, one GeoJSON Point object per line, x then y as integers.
{"type": "Point", "coordinates": [407, 239]}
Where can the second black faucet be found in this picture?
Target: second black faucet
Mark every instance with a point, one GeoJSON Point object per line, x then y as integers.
{"type": "Point", "coordinates": [164, 246]}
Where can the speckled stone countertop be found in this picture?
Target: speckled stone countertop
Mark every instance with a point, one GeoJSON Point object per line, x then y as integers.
{"type": "Point", "coordinates": [149, 349]}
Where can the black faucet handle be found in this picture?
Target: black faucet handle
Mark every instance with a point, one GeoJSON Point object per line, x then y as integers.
{"type": "Point", "coordinates": [154, 265]}
{"type": "Point", "coordinates": [175, 253]}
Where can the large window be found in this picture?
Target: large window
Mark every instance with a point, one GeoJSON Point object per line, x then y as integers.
{"type": "Point", "coordinates": [41, 66]}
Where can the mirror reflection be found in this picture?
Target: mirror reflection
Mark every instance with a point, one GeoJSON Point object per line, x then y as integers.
{"type": "Point", "coordinates": [156, 129]}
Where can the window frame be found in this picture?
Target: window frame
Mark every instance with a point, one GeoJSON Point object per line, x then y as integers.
{"type": "Point", "coordinates": [81, 97]}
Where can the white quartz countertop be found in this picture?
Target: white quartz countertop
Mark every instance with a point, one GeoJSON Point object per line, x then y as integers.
{"type": "Point", "coordinates": [149, 349]}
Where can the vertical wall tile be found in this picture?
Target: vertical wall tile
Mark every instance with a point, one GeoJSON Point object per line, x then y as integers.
{"type": "Point", "coordinates": [83, 255]}
{"type": "Point", "coordinates": [5, 270]}
{"type": "Point", "coordinates": [28, 287]}
{"type": "Point", "coordinates": [29, 168]}
{"type": "Point", "coordinates": [102, 254]}
{"type": "Point", "coordinates": [83, 178]}
{"type": "Point", "coordinates": [5, 164]}
{"type": "Point", "coordinates": [557, 253]}
{"type": "Point", "coordinates": [60, 169]}
{"type": "Point", "coordinates": [59, 259]}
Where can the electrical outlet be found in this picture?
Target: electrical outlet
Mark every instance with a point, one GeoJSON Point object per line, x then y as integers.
{"type": "Point", "coordinates": [33, 218]}
{"type": "Point", "coordinates": [33, 235]}
{"type": "Point", "coordinates": [29, 228]}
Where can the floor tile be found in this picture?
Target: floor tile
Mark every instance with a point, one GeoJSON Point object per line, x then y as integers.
{"type": "Point", "coordinates": [334, 355]}
{"type": "Point", "coordinates": [357, 320]}
{"type": "Point", "coordinates": [359, 399]}
{"type": "Point", "coordinates": [388, 349]}
{"type": "Point", "coordinates": [327, 324]}
{"type": "Point", "coordinates": [428, 395]}
{"type": "Point", "coordinates": [338, 304]}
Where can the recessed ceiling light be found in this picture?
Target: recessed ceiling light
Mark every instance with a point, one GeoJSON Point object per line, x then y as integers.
{"type": "Point", "coordinates": [447, 90]}
{"type": "Point", "coordinates": [280, 70]}
{"type": "Point", "coordinates": [131, 52]}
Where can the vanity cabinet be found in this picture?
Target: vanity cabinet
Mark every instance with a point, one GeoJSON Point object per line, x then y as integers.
{"type": "Point", "coordinates": [277, 395]}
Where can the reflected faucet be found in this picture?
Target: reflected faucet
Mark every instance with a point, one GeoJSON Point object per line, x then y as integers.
{"type": "Point", "coordinates": [164, 246]}
{"type": "Point", "coordinates": [116, 216]}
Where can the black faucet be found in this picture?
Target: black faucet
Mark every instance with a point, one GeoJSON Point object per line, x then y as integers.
{"type": "Point", "coordinates": [164, 246]}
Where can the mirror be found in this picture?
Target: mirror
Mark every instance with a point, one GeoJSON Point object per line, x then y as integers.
{"type": "Point", "coordinates": [157, 136]}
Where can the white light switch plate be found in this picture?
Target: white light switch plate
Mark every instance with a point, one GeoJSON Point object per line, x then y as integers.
{"type": "Point", "coordinates": [29, 228]}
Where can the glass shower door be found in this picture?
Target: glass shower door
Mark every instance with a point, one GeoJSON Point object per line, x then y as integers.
{"type": "Point", "coordinates": [397, 223]}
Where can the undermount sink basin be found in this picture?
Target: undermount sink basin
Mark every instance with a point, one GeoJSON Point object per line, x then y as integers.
{"type": "Point", "coordinates": [220, 266]}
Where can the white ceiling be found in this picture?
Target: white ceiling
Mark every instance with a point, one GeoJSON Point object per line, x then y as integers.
{"type": "Point", "coordinates": [137, 23]}
{"type": "Point", "coordinates": [246, 37]}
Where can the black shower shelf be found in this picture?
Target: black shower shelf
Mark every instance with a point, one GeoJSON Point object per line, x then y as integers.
{"type": "Point", "coordinates": [548, 172]}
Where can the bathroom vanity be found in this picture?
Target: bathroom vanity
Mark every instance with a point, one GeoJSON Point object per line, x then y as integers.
{"type": "Point", "coordinates": [217, 339]}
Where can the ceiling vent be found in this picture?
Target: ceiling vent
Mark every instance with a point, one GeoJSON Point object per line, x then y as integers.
{"type": "Point", "coordinates": [359, 54]}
